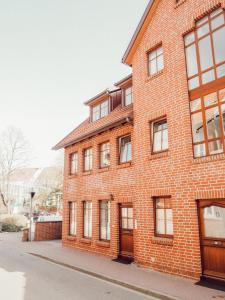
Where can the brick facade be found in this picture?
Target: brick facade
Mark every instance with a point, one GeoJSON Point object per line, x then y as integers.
{"type": "Point", "coordinates": [175, 173]}
{"type": "Point", "coordinates": [47, 231]}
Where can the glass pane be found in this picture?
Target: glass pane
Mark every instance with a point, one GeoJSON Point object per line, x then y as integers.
{"type": "Point", "coordinates": [213, 123]}
{"type": "Point", "coordinates": [169, 227]}
{"type": "Point", "coordinates": [153, 67]}
{"type": "Point", "coordinates": [197, 128]}
{"type": "Point", "coordinates": [104, 109]}
{"type": "Point", "coordinates": [130, 223]}
{"type": "Point", "coordinates": [157, 141]}
{"type": "Point", "coordinates": [202, 21]}
{"type": "Point", "coordinates": [220, 71]}
{"type": "Point", "coordinates": [193, 83]}
{"type": "Point", "coordinates": [159, 203]}
{"type": "Point", "coordinates": [129, 152]}
{"type": "Point", "coordinates": [160, 63]}
{"type": "Point", "coordinates": [189, 38]}
{"type": "Point", "coordinates": [124, 224]}
{"type": "Point", "coordinates": [205, 49]}
{"type": "Point", "coordinates": [217, 22]}
{"type": "Point", "coordinates": [210, 99]}
{"type": "Point", "coordinates": [208, 76]}
{"type": "Point", "coordinates": [199, 150]}
{"type": "Point", "coordinates": [215, 147]}
{"type": "Point", "coordinates": [160, 227]}
{"type": "Point", "coordinates": [195, 105]}
{"type": "Point", "coordinates": [159, 51]}
{"type": "Point", "coordinates": [203, 30]}
{"type": "Point", "coordinates": [191, 57]}
{"type": "Point", "coordinates": [124, 212]}
{"type": "Point", "coordinates": [216, 12]}
{"type": "Point", "coordinates": [130, 212]}
{"type": "Point", "coordinates": [214, 222]}
{"type": "Point", "coordinates": [223, 116]}
{"type": "Point", "coordinates": [219, 45]}
{"type": "Point", "coordinates": [222, 95]}
{"type": "Point", "coordinates": [165, 143]}
{"type": "Point", "coordinates": [152, 55]}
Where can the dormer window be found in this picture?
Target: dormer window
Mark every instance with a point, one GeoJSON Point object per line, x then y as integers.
{"type": "Point", "coordinates": [128, 96]}
{"type": "Point", "coordinates": [100, 111]}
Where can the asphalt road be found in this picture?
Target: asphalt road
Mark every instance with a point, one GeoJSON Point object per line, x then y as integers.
{"type": "Point", "coordinates": [25, 277]}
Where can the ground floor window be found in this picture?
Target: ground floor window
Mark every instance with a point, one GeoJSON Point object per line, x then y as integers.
{"type": "Point", "coordinates": [163, 217]}
{"type": "Point", "coordinates": [87, 219]}
{"type": "Point", "coordinates": [72, 218]}
{"type": "Point", "coordinates": [105, 220]}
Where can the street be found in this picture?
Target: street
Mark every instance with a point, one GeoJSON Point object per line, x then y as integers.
{"type": "Point", "coordinates": [25, 277]}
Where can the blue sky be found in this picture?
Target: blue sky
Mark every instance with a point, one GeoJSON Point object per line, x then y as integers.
{"type": "Point", "coordinates": [56, 54]}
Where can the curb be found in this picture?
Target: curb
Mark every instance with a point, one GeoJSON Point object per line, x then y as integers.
{"type": "Point", "coordinates": [108, 279]}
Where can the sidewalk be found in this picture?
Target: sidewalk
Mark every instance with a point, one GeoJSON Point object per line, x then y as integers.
{"type": "Point", "coordinates": [153, 283]}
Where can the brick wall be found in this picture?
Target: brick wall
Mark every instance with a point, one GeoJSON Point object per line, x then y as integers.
{"type": "Point", "coordinates": [46, 231]}
{"type": "Point", "coordinates": [175, 173]}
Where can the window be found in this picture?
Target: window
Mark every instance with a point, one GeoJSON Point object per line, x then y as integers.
{"type": "Point", "coordinates": [101, 110]}
{"type": "Point", "coordinates": [87, 219]}
{"type": "Point", "coordinates": [74, 163]}
{"type": "Point", "coordinates": [159, 136]}
{"type": "Point", "coordinates": [125, 149]}
{"type": "Point", "coordinates": [104, 155]}
{"type": "Point", "coordinates": [128, 96]}
{"type": "Point", "coordinates": [163, 217]}
{"type": "Point", "coordinates": [207, 43]}
{"type": "Point", "coordinates": [72, 218]}
{"type": "Point", "coordinates": [105, 220]}
{"type": "Point", "coordinates": [88, 160]}
{"type": "Point", "coordinates": [127, 218]}
{"type": "Point", "coordinates": [208, 124]}
{"type": "Point", "coordinates": [155, 61]}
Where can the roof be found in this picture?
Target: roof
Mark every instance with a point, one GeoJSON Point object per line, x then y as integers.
{"type": "Point", "coordinates": [88, 129]}
{"type": "Point", "coordinates": [139, 32]}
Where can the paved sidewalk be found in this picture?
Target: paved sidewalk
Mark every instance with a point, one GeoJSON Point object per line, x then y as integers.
{"type": "Point", "coordinates": [102, 267]}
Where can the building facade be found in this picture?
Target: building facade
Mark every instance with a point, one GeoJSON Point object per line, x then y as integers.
{"type": "Point", "coordinates": [145, 173]}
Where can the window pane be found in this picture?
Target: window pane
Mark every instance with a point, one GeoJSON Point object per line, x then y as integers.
{"type": "Point", "coordinates": [202, 21]}
{"type": "Point", "coordinates": [222, 95]}
{"type": "Point", "coordinates": [213, 123]}
{"type": "Point", "coordinates": [219, 45]}
{"type": "Point", "coordinates": [189, 38]}
{"type": "Point", "coordinates": [214, 222]}
{"type": "Point", "coordinates": [160, 63]}
{"type": "Point", "coordinates": [160, 227]}
{"type": "Point", "coordinates": [130, 212]}
{"type": "Point", "coordinates": [124, 212]}
{"type": "Point", "coordinates": [124, 224]}
{"type": "Point", "coordinates": [157, 146]}
{"type": "Point", "coordinates": [206, 58]}
{"type": "Point", "coordinates": [195, 105]}
{"type": "Point", "coordinates": [197, 128]}
{"type": "Point", "coordinates": [193, 83]}
{"type": "Point", "coordinates": [203, 30]}
{"type": "Point", "coordinates": [129, 152]}
{"type": "Point", "coordinates": [216, 12]}
{"type": "Point", "coordinates": [220, 71]}
{"type": "Point", "coordinates": [130, 224]}
{"type": "Point", "coordinates": [215, 147]}
{"type": "Point", "coordinates": [169, 227]}
{"type": "Point", "coordinates": [159, 51]}
{"type": "Point", "coordinates": [153, 67]}
{"type": "Point", "coordinates": [165, 140]}
{"type": "Point", "coordinates": [208, 76]}
{"type": "Point", "coordinates": [191, 57]}
{"type": "Point", "coordinates": [152, 55]}
{"type": "Point", "coordinates": [199, 150]}
{"type": "Point", "coordinates": [159, 203]}
{"type": "Point", "coordinates": [210, 99]}
{"type": "Point", "coordinates": [217, 22]}
{"type": "Point", "coordinates": [104, 108]}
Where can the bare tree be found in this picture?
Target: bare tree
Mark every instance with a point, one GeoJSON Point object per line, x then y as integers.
{"type": "Point", "coordinates": [14, 155]}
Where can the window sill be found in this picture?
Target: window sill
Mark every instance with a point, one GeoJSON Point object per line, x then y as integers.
{"type": "Point", "coordinates": [103, 244]}
{"type": "Point", "coordinates": [124, 165]}
{"type": "Point", "coordinates": [71, 238]}
{"type": "Point", "coordinates": [162, 241]}
{"type": "Point", "coordinates": [105, 169]}
{"type": "Point", "coordinates": [179, 3]}
{"type": "Point", "coordinates": [159, 155]}
{"type": "Point", "coordinates": [156, 75]}
{"type": "Point", "coordinates": [86, 173]}
{"type": "Point", "coordinates": [85, 241]}
{"type": "Point", "coordinates": [210, 158]}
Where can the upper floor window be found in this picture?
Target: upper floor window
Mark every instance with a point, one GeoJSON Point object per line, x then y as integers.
{"type": "Point", "coordinates": [101, 110]}
{"type": "Point", "coordinates": [160, 136]}
{"type": "Point", "coordinates": [205, 50]}
{"type": "Point", "coordinates": [155, 61]}
{"type": "Point", "coordinates": [104, 155]}
{"type": "Point", "coordinates": [87, 219]}
{"type": "Point", "coordinates": [72, 218]}
{"type": "Point", "coordinates": [128, 96]}
{"type": "Point", "coordinates": [74, 163]}
{"type": "Point", "coordinates": [163, 217]}
{"type": "Point", "coordinates": [105, 220]}
{"type": "Point", "coordinates": [208, 123]}
{"type": "Point", "coordinates": [88, 159]}
{"type": "Point", "coordinates": [125, 148]}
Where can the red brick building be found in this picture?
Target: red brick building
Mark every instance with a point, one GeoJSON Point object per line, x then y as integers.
{"type": "Point", "coordinates": [145, 173]}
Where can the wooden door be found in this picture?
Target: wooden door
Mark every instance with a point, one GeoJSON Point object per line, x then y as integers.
{"type": "Point", "coordinates": [126, 231]}
{"type": "Point", "coordinates": [212, 234]}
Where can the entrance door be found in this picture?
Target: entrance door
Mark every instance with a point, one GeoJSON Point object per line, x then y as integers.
{"type": "Point", "coordinates": [212, 222]}
{"type": "Point", "coordinates": [126, 231]}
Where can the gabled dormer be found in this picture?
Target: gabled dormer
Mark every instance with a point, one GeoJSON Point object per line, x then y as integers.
{"type": "Point", "coordinates": [103, 104]}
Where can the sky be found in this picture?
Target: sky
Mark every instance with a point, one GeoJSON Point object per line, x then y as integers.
{"type": "Point", "coordinates": [55, 55]}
